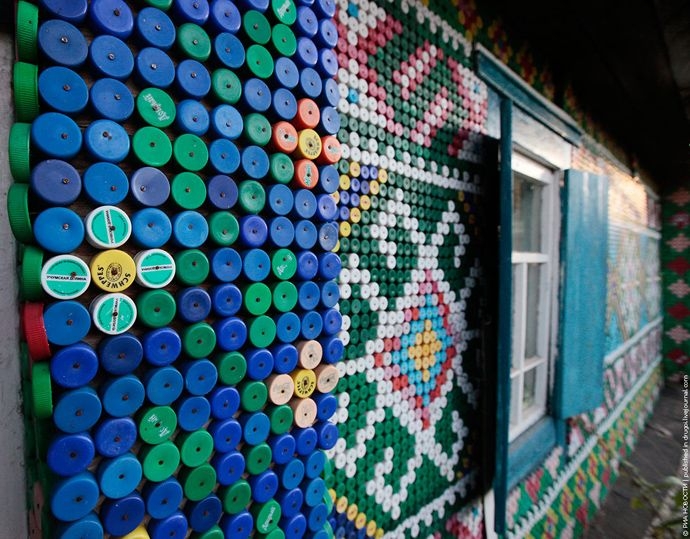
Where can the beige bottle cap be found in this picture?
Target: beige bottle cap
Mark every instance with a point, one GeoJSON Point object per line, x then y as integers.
{"type": "Point", "coordinates": [281, 387]}
{"type": "Point", "coordinates": [304, 411]}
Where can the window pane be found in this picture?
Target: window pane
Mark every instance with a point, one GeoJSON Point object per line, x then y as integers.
{"type": "Point", "coordinates": [515, 400]}
{"type": "Point", "coordinates": [532, 310]}
{"type": "Point", "coordinates": [527, 197]}
{"type": "Point", "coordinates": [517, 287]}
{"type": "Point", "coordinates": [529, 389]}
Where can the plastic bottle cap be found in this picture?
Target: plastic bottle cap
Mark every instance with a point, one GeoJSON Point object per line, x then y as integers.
{"type": "Point", "coordinates": [305, 382]}
{"type": "Point", "coordinates": [59, 230]}
{"type": "Point", "coordinates": [65, 277]}
{"type": "Point", "coordinates": [224, 228]}
{"type": "Point", "coordinates": [113, 313]}
{"type": "Point", "coordinates": [156, 308]}
{"type": "Point", "coordinates": [62, 43]}
{"type": "Point", "coordinates": [258, 458]}
{"type": "Point", "coordinates": [285, 296]}
{"type": "Point", "coordinates": [193, 79]}
{"type": "Point", "coordinates": [77, 410]}
{"type": "Point", "coordinates": [190, 152]}
{"type": "Point", "coordinates": [56, 182]}
{"type": "Point", "coordinates": [121, 516]}
{"type": "Point", "coordinates": [113, 270]}
{"type": "Point", "coordinates": [326, 378]}
{"type": "Point", "coordinates": [257, 298]}
{"type": "Point", "coordinates": [198, 340]}
{"type": "Point", "coordinates": [306, 173]}
{"type": "Point", "coordinates": [160, 461]}
{"type": "Point", "coordinates": [156, 107]}
{"type": "Point", "coordinates": [259, 61]}
{"type": "Point", "coordinates": [331, 152]}
{"type": "Point", "coordinates": [111, 99]}
{"type": "Point", "coordinates": [27, 31]}
{"type": "Point", "coordinates": [188, 190]}
{"type": "Point", "coordinates": [155, 268]}
{"type": "Point", "coordinates": [225, 17]}
{"type": "Point", "coordinates": [236, 497]}
{"type": "Point", "coordinates": [252, 196]}
{"type": "Point", "coordinates": [192, 267]}
{"type": "Point", "coordinates": [19, 151]}
{"type": "Point", "coordinates": [18, 212]}
{"type": "Point", "coordinates": [284, 137]}
{"type": "Point", "coordinates": [253, 395]}
{"type": "Point", "coordinates": [266, 516]}
{"type": "Point", "coordinates": [308, 144]}
{"type": "Point", "coordinates": [281, 420]}
{"type": "Point", "coordinates": [304, 411]}
{"type": "Point", "coordinates": [56, 135]}
{"type": "Point", "coordinates": [66, 322]}
{"type": "Point", "coordinates": [198, 482]}
{"type": "Point", "coordinates": [230, 50]}
{"type": "Point", "coordinates": [195, 447]}
{"type": "Point", "coordinates": [257, 27]}
{"type": "Point", "coordinates": [157, 424]}
{"type": "Point", "coordinates": [155, 28]}
{"type": "Point", "coordinates": [192, 117]}
{"type": "Point", "coordinates": [112, 17]}
{"type": "Point", "coordinates": [25, 85]}
{"type": "Point", "coordinates": [41, 390]}
{"type": "Point", "coordinates": [111, 57]}
{"type": "Point", "coordinates": [152, 146]}
{"type": "Point", "coordinates": [310, 354]}
{"type": "Point", "coordinates": [30, 277]}
{"type": "Point", "coordinates": [284, 40]}
{"type": "Point", "coordinates": [154, 68]}
{"type": "Point", "coordinates": [107, 227]}
{"type": "Point", "coordinates": [74, 497]}
{"type": "Point", "coordinates": [232, 367]}
{"type": "Point", "coordinates": [115, 436]}
{"type": "Point", "coordinates": [281, 387]}
{"type": "Point", "coordinates": [194, 41]}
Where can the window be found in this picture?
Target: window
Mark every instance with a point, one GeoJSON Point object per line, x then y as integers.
{"type": "Point", "coordinates": [534, 201]}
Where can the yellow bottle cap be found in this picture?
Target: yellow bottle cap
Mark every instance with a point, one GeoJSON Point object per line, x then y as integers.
{"type": "Point", "coordinates": [113, 270]}
{"type": "Point", "coordinates": [305, 382]}
{"type": "Point", "coordinates": [308, 144]}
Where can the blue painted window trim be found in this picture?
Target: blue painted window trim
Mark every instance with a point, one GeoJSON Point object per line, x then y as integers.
{"type": "Point", "coordinates": [530, 449]}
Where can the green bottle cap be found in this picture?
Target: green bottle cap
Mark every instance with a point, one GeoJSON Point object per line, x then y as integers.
{"type": "Point", "coordinates": [64, 276]}
{"type": "Point", "coordinates": [224, 228]}
{"type": "Point", "coordinates": [41, 390]}
{"type": "Point", "coordinates": [257, 298]}
{"type": "Point", "coordinates": [226, 86]}
{"type": "Point", "coordinates": [156, 107]}
{"type": "Point", "coordinates": [194, 41]}
{"type": "Point", "coordinates": [163, 5]}
{"type": "Point", "coordinates": [285, 296]}
{"type": "Point", "coordinates": [284, 10]}
{"type": "Point", "coordinates": [27, 31]}
{"type": "Point", "coordinates": [213, 533]}
{"type": "Point", "coordinates": [252, 196]}
{"type": "Point", "coordinates": [253, 395]}
{"type": "Point", "coordinates": [275, 534]}
{"type": "Point", "coordinates": [155, 268]}
{"type": "Point", "coordinates": [157, 424]}
{"type": "Point", "coordinates": [188, 190]}
{"type": "Point", "coordinates": [257, 27]}
{"type": "Point", "coordinates": [25, 85]}
{"type": "Point", "coordinates": [159, 461]}
{"type": "Point", "coordinates": [284, 264]}
{"type": "Point", "coordinates": [198, 340]}
{"type": "Point", "coordinates": [266, 516]}
{"type": "Point", "coordinates": [199, 482]}
{"type": "Point", "coordinates": [262, 331]}
{"type": "Point", "coordinates": [190, 152]}
{"type": "Point", "coordinates": [19, 150]}
{"type": "Point", "coordinates": [283, 39]}
{"type": "Point", "coordinates": [195, 447]}
{"type": "Point", "coordinates": [260, 61]}
{"type": "Point", "coordinates": [258, 458]}
{"type": "Point", "coordinates": [236, 497]}
{"type": "Point", "coordinates": [282, 169]}
{"type": "Point", "coordinates": [232, 367]}
{"type": "Point", "coordinates": [30, 274]}
{"type": "Point", "coordinates": [257, 129]}
{"type": "Point", "coordinates": [152, 146]}
{"type": "Point", "coordinates": [156, 308]}
{"type": "Point", "coordinates": [192, 267]}
{"type": "Point", "coordinates": [281, 418]}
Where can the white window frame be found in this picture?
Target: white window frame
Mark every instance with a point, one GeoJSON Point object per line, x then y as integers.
{"type": "Point", "coordinates": [523, 418]}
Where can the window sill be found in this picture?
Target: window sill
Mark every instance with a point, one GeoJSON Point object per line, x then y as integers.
{"type": "Point", "coordinates": [530, 449]}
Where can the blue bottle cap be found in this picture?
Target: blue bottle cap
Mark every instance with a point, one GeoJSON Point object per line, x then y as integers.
{"type": "Point", "coordinates": [328, 434]}
{"type": "Point", "coordinates": [226, 433]}
{"type": "Point", "coordinates": [264, 486]}
{"type": "Point", "coordinates": [307, 265]}
{"type": "Point", "coordinates": [193, 79]}
{"type": "Point", "coordinates": [330, 120]}
{"type": "Point", "coordinates": [151, 227]}
{"type": "Point", "coordinates": [226, 122]}
{"type": "Point", "coordinates": [290, 474]}
{"type": "Point", "coordinates": [77, 410]}
{"type": "Point", "coordinates": [329, 179]}
{"type": "Point", "coordinates": [256, 95]}
{"type": "Point", "coordinates": [327, 35]}
{"type": "Point", "coordinates": [333, 349]}
{"type": "Point", "coordinates": [255, 427]}
{"type": "Point", "coordinates": [229, 466]}
{"type": "Point", "coordinates": [305, 204]}
{"type": "Point", "coordinates": [155, 29]}
{"type": "Point", "coordinates": [354, 199]}
{"type": "Point", "coordinates": [196, 11]}
{"type": "Point", "coordinates": [111, 57]}
{"type": "Point", "coordinates": [149, 186]}
{"type": "Point", "coordinates": [284, 104]}
{"type": "Point", "coordinates": [255, 162]}
{"type": "Point", "coordinates": [122, 516]}
{"type": "Point", "coordinates": [193, 304]}
{"type": "Point", "coordinates": [114, 437]}
{"type": "Point", "coordinates": [74, 366]}
{"type": "Point", "coordinates": [280, 199]}
{"type": "Point", "coordinates": [253, 231]}
{"type": "Point", "coordinates": [331, 92]}
{"type": "Point", "coordinates": [222, 190]}
{"type": "Point", "coordinates": [154, 68]}
{"type": "Point", "coordinates": [226, 264]}
{"type": "Point", "coordinates": [294, 527]}
{"type": "Point", "coordinates": [307, 23]}
{"type": "Point", "coordinates": [325, 8]}
{"type": "Point", "coordinates": [231, 333]}
{"type": "Point", "coordinates": [288, 327]}
{"type": "Point", "coordinates": [111, 99]}
{"type": "Point", "coordinates": [259, 5]}
{"type": "Point", "coordinates": [118, 477]}
{"type": "Point", "coordinates": [224, 16]}
{"type": "Point", "coordinates": [327, 65]}
{"type": "Point", "coordinates": [226, 299]}
{"type": "Point", "coordinates": [75, 497]}
{"type": "Point", "coordinates": [73, 11]}
{"type": "Point", "coordinates": [70, 454]}
{"type": "Point", "coordinates": [330, 294]}
{"type": "Point", "coordinates": [309, 295]}
{"type": "Point", "coordinates": [192, 117]}
{"type": "Point", "coordinates": [286, 73]}
{"type": "Point", "coordinates": [281, 231]}
{"type": "Point", "coordinates": [284, 358]}
{"type": "Point", "coordinates": [62, 43]}
{"type": "Point", "coordinates": [112, 17]}
{"type": "Point", "coordinates": [192, 412]}
{"type": "Point", "coordinates": [163, 385]}
{"type": "Point", "coordinates": [204, 514]}
{"type": "Point", "coordinates": [190, 229]}
{"type": "Point", "coordinates": [239, 526]}
{"type": "Point", "coordinates": [224, 402]}
{"type": "Point", "coordinates": [161, 346]}
{"type": "Point", "coordinates": [107, 141]}
{"type": "Point", "coordinates": [56, 135]}
{"type": "Point", "coordinates": [259, 364]}
{"type": "Point", "coordinates": [312, 325]}
{"type": "Point", "coordinates": [162, 499]}
{"type": "Point", "coordinates": [326, 208]}
{"type": "Point", "coordinates": [63, 90]}
{"type": "Point", "coordinates": [230, 50]}
{"type": "Point", "coordinates": [332, 321]}
{"type": "Point", "coordinates": [316, 461]}
{"type": "Point", "coordinates": [310, 82]}
{"type": "Point", "coordinates": [329, 265]}
{"type": "Point", "coordinates": [224, 157]}
{"type": "Point", "coordinates": [200, 376]}
{"type": "Point", "coordinates": [122, 396]}
{"type": "Point", "coordinates": [345, 198]}
{"type": "Point", "coordinates": [290, 502]}
{"type": "Point", "coordinates": [66, 322]}
{"type": "Point", "coordinates": [56, 182]}
{"type": "Point", "coordinates": [256, 265]}
{"type": "Point", "coordinates": [120, 354]}
{"type": "Point", "coordinates": [307, 53]}
{"type": "Point", "coordinates": [316, 517]}
{"type": "Point", "coordinates": [344, 213]}
{"type": "Point", "coordinates": [88, 527]}
{"type": "Point", "coordinates": [174, 525]}
{"type": "Point", "coordinates": [283, 447]}
{"type": "Point", "coordinates": [305, 234]}
{"type": "Point", "coordinates": [306, 440]}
